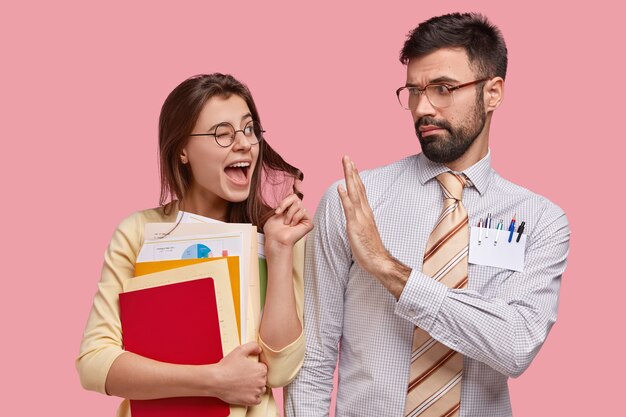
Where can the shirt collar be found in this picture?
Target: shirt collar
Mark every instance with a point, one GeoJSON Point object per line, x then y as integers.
{"type": "Point", "coordinates": [479, 173]}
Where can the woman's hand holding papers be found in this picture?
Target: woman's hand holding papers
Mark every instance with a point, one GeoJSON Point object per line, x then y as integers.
{"type": "Point", "coordinates": [229, 384]}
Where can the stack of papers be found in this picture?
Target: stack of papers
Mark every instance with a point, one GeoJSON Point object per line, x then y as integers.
{"type": "Point", "coordinates": [196, 296]}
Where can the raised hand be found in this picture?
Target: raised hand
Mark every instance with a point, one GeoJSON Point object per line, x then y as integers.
{"type": "Point", "coordinates": [240, 378]}
{"type": "Point", "coordinates": [367, 246]}
{"type": "Point", "coordinates": [363, 235]}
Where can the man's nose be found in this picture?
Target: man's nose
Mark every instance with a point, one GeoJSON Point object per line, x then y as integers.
{"type": "Point", "coordinates": [423, 107]}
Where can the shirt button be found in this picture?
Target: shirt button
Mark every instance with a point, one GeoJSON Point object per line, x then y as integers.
{"type": "Point", "coordinates": [412, 311]}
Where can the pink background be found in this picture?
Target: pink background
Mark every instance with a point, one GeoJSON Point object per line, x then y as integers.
{"type": "Point", "coordinates": [82, 85]}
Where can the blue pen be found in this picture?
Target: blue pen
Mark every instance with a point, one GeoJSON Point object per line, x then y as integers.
{"type": "Point", "coordinates": [499, 227]}
{"type": "Point", "coordinates": [511, 228]}
{"type": "Point", "coordinates": [487, 225]}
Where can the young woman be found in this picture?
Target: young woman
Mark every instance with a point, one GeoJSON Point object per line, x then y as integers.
{"type": "Point", "coordinates": [212, 160]}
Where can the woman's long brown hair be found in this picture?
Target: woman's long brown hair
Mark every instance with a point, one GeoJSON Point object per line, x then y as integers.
{"type": "Point", "coordinates": [178, 117]}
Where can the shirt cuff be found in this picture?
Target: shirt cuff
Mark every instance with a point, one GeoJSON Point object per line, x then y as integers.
{"type": "Point", "coordinates": [421, 300]}
{"type": "Point", "coordinates": [284, 364]}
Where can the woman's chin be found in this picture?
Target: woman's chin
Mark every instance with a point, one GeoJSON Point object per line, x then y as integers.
{"type": "Point", "coordinates": [237, 196]}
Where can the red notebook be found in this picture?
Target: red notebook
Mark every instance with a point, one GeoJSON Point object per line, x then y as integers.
{"type": "Point", "coordinates": [175, 323]}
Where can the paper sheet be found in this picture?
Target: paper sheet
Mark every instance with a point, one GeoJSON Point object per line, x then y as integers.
{"type": "Point", "coordinates": [249, 269]}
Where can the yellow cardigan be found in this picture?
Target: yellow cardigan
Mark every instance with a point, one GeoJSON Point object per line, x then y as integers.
{"type": "Point", "coordinates": [102, 339]}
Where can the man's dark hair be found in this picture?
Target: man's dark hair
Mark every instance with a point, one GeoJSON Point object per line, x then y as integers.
{"type": "Point", "coordinates": [482, 41]}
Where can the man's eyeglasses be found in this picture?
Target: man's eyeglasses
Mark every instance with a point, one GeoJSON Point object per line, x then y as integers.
{"type": "Point", "coordinates": [439, 95]}
{"type": "Point", "coordinates": [225, 133]}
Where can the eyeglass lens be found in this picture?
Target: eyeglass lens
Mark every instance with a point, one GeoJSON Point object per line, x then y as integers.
{"type": "Point", "coordinates": [225, 133]}
{"type": "Point", "coordinates": [438, 95]}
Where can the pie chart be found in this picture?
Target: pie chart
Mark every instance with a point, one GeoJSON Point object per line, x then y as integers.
{"type": "Point", "coordinates": [196, 251]}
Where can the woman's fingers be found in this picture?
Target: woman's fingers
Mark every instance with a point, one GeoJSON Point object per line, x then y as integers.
{"type": "Point", "coordinates": [292, 210]}
{"type": "Point", "coordinates": [296, 205]}
{"type": "Point", "coordinates": [286, 203]}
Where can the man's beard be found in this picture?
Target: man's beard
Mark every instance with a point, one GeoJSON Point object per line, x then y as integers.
{"type": "Point", "coordinates": [450, 146]}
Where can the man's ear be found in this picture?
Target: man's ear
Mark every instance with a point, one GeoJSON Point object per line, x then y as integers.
{"type": "Point", "coordinates": [494, 93]}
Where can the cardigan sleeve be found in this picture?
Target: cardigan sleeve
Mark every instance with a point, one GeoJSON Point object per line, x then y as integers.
{"type": "Point", "coordinates": [102, 339]}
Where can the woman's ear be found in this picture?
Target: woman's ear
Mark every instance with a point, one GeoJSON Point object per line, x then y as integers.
{"type": "Point", "coordinates": [494, 93]}
{"type": "Point", "coordinates": [183, 157]}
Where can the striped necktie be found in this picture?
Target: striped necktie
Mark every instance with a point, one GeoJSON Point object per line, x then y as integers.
{"type": "Point", "coordinates": [436, 370]}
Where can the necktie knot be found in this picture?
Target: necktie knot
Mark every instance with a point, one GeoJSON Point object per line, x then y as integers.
{"type": "Point", "coordinates": [452, 185]}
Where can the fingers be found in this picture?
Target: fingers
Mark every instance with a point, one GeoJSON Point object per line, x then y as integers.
{"type": "Point", "coordinates": [259, 396]}
{"type": "Point", "coordinates": [348, 173]}
{"type": "Point", "coordinates": [348, 208]}
{"type": "Point", "coordinates": [301, 216]}
{"type": "Point", "coordinates": [360, 189]}
{"type": "Point", "coordinates": [250, 349]}
{"type": "Point", "coordinates": [241, 378]}
{"type": "Point", "coordinates": [294, 214]}
{"type": "Point", "coordinates": [292, 209]}
{"type": "Point", "coordinates": [354, 184]}
{"type": "Point", "coordinates": [257, 378]}
{"type": "Point", "coordinates": [286, 203]}
{"type": "Point", "coordinates": [353, 196]}
{"type": "Point", "coordinates": [358, 183]}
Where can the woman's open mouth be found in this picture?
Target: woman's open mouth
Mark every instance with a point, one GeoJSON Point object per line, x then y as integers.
{"type": "Point", "coordinates": [238, 172]}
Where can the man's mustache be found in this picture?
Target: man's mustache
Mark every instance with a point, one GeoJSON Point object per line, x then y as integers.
{"type": "Point", "coordinates": [430, 121]}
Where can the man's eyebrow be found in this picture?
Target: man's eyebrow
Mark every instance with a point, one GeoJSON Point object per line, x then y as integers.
{"type": "Point", "coordinates": [443, 79]}
{"type": "Point", "coordinates": [439, 80]}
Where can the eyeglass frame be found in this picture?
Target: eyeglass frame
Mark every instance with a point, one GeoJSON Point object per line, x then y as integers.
{"type": "Point", "coordinates": [235, 131]}
{"type": "Point", "coordinates": [451, 89]}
